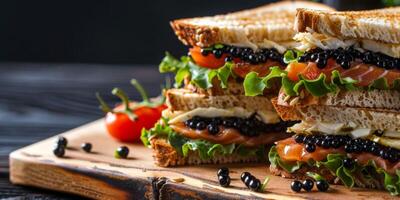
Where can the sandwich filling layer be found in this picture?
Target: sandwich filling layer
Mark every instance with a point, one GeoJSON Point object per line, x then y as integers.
{"type": "Point", "coordinates": [220, 62]}
{"type": "Point", "coordinates": [205, 148]}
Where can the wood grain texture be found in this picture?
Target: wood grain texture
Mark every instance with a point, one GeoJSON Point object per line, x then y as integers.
{"type": "Point", "coordinates": [99, 175]}
{"type": "Point", "coordinates": [39, 100]}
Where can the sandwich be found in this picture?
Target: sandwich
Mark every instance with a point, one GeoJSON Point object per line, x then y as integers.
{"type": "Point", "coordinates": [342, 83]}
{"type": "Point", "coordinates": [209, 118]}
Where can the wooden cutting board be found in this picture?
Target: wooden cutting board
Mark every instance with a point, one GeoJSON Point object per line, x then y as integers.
{"type": "Point", "coordinates": [101, 176]}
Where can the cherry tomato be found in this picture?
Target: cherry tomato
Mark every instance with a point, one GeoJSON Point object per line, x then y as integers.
{"type": "Point", "coordinates": [126, 121]}
{"type": "Point", "coordinates": [124, 129]}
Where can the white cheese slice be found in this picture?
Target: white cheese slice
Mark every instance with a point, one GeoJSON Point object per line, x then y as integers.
{"type": "Point", "coordinates": [310, 40]}
{"type": "Point", "coordinates": [266, 116]}
{"type": "Point", "coordinates": [361, 132]}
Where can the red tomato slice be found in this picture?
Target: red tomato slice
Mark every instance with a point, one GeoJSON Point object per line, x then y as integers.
{"type": "Point", "coordinates": [294, 69]}
{"type": "Point", "coordinates": [208, 61]}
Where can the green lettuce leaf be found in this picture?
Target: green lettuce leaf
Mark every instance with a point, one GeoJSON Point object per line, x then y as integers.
{"type": "Point", "coordinates": [199, 76]}
{"type": "Point", "coordinates": [315, 176]}
{"type": "Point", "coordinates": [334, 163]}
{"type": "Point", "coordinates": [254, 85]}
{"type": "Point", "coordinates": [292, 56]}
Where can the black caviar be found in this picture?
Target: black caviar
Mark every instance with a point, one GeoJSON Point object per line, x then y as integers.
{"type": "Point", "coordinates": [250, 181]}
{"type": "Point", "coordinates": [344, 57]}
{"type": "Point", "coordinates": [224, 181]}
{"type": "Point", "coordinates": [61, 141]}
{"type": "Point", "coordinates": [296, 186]}
{"type": "Point", "coordinates": [224, 171]}
{"type": "Point", "coordinates": [308, 184]}
{"type": "Point", "coordinates": [223, 177]}
{"type": "Point", "coordinates": [87, 147]}
{"type": "Point", "coordinates": [245, 54]}
{"type": "Point", "coordinates": [251, 126]}
{"type": "Point", "coordinates": [59, 151]}
{"type": "Point", "coordinates": [121, 152]}
{"type": "Point", "coordinates": [349, 144]}
{"type": "Point", "coordinates": [322, 185]}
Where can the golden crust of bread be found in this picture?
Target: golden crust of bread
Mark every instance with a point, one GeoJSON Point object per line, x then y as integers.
{"type": "Point", "coordinates": [287, 113]}
{"type": "Point", "coordinates": [272, 22]}
{"type": "Point", "coordinates": [166, 156]}
{"type": "Point", "coordinates": [183, 99]}
{"type": "Point", "coordinates": [378, 25]}
{"type": "Point", "coordinates": [376, 119]}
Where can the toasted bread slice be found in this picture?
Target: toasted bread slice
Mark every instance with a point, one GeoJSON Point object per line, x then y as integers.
{"type": "Point", "coordinates": [166, 156]}
{"type": "Point", "coordinates": [248, 28]}
{"type": "Point", "coordinates": [184, 100]}
{"type": "Point", "coordinates": [376, 119]}
{"type": "Point", "coordinates": [378, 25]}
{"type": "Point", "coordinates": [376, 99]}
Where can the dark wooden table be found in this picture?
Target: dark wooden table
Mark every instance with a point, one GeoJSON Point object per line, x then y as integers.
{"type": "Point", "coordinates": [41, 100]}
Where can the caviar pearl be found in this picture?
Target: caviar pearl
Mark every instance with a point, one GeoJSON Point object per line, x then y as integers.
{"type": "Point", "coordinates": [308, 184]}
{"type": "Point", "coordinates": [296, 185]}
{"type": "Point", "coordinates": [322, 185]}
{"type": "Point", "coordinates": [201, 125]}
{"type": "Point", "coordinates": [59, 151]}
{"type": "Point", "coordinates": [213, 129]}
{"type": "Point", "coordinates": [348, 163]}
{"type": "Point", "coordinates": [122, 152]}
{"type": "Point", "coordinates": [61, 141]}
{"type": "Point", "coordinates": [224, 181]}
{"type": "Point", "coordinates": [87, 147]}
{"type": "Point", "coordinates": [310, 148]}
{"type": "Point", "coordinates": [224, 171]}
{"type": "Point", "coordinates": [244, 175]}
{"type": "Point", "coordinates": [299, 138]}
{"type": "Point", "coordinates": [255, 184]}
{"type": "Point", "coordinates": [248, 179]}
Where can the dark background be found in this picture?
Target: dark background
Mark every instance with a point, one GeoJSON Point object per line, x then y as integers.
{"type": "Point", "coordinates": [98, 31]}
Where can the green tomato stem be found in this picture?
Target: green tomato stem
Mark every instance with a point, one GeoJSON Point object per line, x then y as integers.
{"type": "Point", "coordinates": [141, 90]}
{"type": "Point", "coordinates": [125, 101]}
{"type": "Point", "coordinates": [103, 105]}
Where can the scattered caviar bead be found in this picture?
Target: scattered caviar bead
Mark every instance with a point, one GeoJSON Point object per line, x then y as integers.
{"type": "Point", "coordinates": [322, 185]}
{"type": "Point", "coordinates": [61, 141]}
{"type": "Point", "coordinates": [224, 181]}
{"type": "Point", "coordinates": [223, 171]}
{"type": "Point", "coordinates": [248, 179]}
{"type": "Point", "coordinates": [255, 184]}
{"type": "Point", "coordinates": [310, 148]}
{"type": "Point", "coordinates": [244, 175]}
{"type": "Point", "coordinates": [308, 184]}
{"type": "Point", "coordinates": [296, 185]}
{"type": "Point", "coordinates": [87, 147]}
{"type": "Point", "coordinates": [348, 163]}
{"type": "Point", "coordinates": [122, 152]}
{"type": "Point", "coordinates": [59, 151]}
